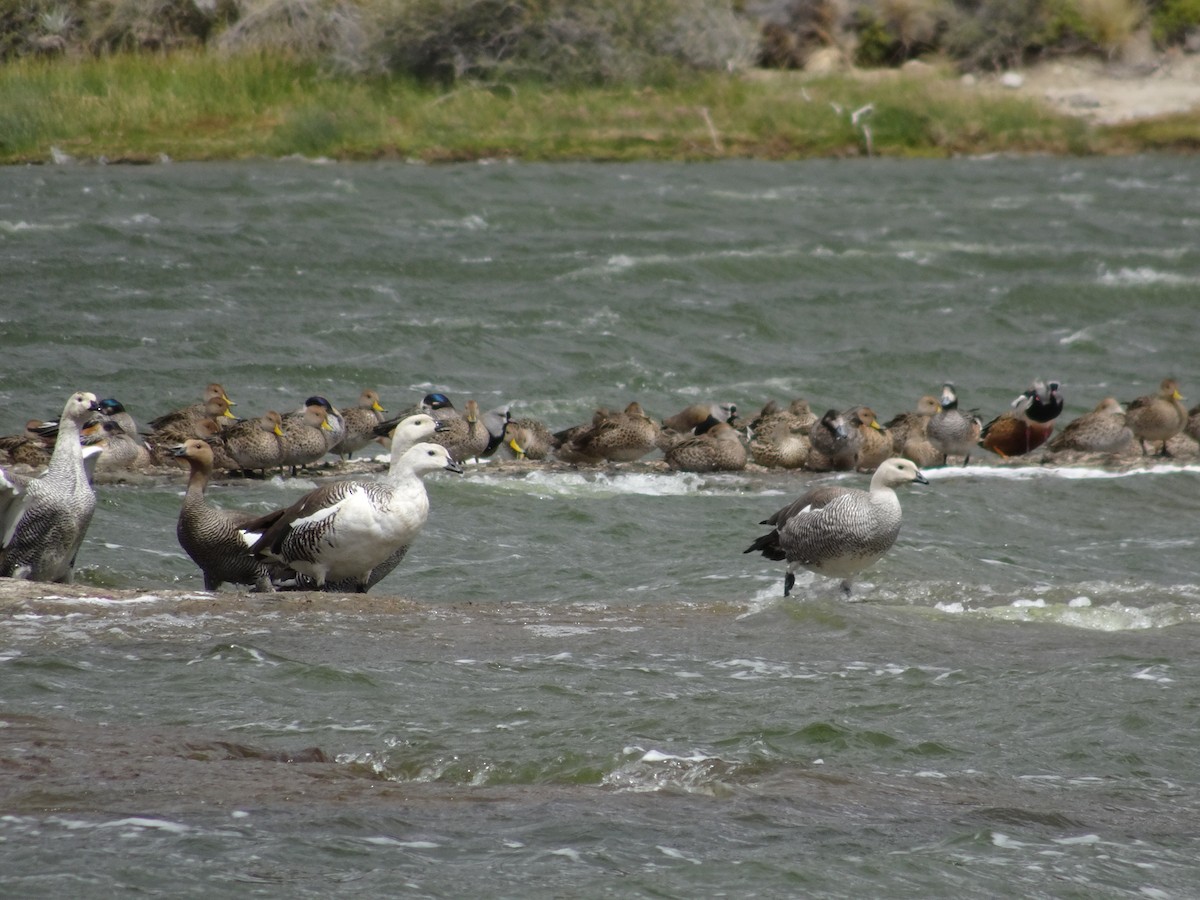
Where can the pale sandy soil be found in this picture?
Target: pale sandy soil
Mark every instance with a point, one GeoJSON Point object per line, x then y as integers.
{"type": "Point", "coordinates": [1111, 93]}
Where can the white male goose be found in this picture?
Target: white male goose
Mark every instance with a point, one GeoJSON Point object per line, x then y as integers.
{"type": "Point", "coordinates": [406, 433]}
{"type": "Point", "coordinates": [211, 536]}
{"type": "Point", "coordinates": [43, 522]}
{"type": "Point", "coordinates": [839, 531]}
{"type": "Point", "coordinates": [347, 528]}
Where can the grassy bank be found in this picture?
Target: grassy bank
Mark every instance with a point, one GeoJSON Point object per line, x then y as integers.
{"type": "Point", "coordinates": [198, 106]}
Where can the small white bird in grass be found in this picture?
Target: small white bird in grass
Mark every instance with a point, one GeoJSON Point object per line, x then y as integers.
{"type": "Point", "coordinates": [839, 531]}
{"type": "Point", "coordinates": [345, 529]}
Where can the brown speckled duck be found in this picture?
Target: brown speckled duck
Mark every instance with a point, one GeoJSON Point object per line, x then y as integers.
{"type": "Point", "coordinates": [1103, 430]}
{"type": "Point", "coordinates": [1158, 417]}
{"type": "Point", "coordinates": [360, 421]}
{"type": "Point", "coordinates": [719, 449]}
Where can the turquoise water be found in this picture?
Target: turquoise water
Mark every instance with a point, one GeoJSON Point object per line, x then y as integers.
{"type": "Point", "coordinates": [577, 684]}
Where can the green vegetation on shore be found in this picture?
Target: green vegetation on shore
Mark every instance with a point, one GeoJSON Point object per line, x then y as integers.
{"type": "Point", "coordinates": [197, 106]}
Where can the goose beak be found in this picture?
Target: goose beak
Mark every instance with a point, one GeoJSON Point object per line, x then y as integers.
{"type": "Point", "coordinates": [453, 466]}
{"type": "Point", "coordinates": [177, 450]}
{"type": "Point", "coordinates": [921, 479]}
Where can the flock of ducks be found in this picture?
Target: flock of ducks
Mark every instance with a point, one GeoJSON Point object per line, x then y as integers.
{"type": "Point", "coordinates": [348, 534]}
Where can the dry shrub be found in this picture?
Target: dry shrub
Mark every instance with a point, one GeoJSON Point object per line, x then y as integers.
{"type": "Point", "coordinates": [1108, 24]}
{"type": "Point", "coordinates": [333, 33]}
{"type": "Point", "coordinates": [155, 24]}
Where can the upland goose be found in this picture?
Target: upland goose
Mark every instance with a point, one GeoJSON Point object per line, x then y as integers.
{"type": "Point", "coordinates": [951, 431]}
{"type": "Point", "coordinates": [1157, 417]}
{"type": "Point", "coordinates": [839, 531]}
{"type": "Point", "coordinates": [212, 536]}
{"type": "Point", "coordinates": [345, 529]}
{"type": "Point", "coordinates": [45, 519]}
{"type": "Point", "coordinates": [410, 430]}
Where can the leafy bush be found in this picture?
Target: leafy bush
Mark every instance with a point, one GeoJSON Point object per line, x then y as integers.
{"type": "Point", "coordinates": [1107, 24]}
{"type": "Point", "coordinates": [316, 31]}
{"type": "Point", "coordinates": [892, 31]}
{"type": "Point", "coordinates": [1173, 21]}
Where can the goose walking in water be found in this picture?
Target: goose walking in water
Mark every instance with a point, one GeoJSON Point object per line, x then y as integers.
{"type": "Point", "coordinates": [404, 434]}
{"type": "Point", "coordinates": [839, 531]}
{"type": "Point", "coordinates": [211, 536]}
{"type": "Point", "coordinates": [344, 530]}
{"type": "Point", "coordinates": [43, 521]}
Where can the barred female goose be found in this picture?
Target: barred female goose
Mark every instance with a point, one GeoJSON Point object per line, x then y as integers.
{"type": "Point", "coordinates": [347, 528]}
{"type": "Point", "coordinates": [43, 522]}
{"type": "Point", "coordinates": [839, 531]}
{"type": "Point", "coordinates": [211, 536]}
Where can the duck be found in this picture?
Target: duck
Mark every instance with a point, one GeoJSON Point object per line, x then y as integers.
{"type": "Point", "coordinates": [255, 444]}
{"type": "Point", "coordinates": [210, 536]}
{"type": "Point", "coordinates": [951, 431]}
{"type": "Point", "coordinates": [410, 430]}
{"type": "Point", "coordinates": [465, 435]}
{"type": "Point", "coordinates": [1192, 429]}
{"type": "Point", "coordinates": [686, 420]}
{"type": "Point", "coordinates": [214, 402]}
{"type": "Point", "coordinates": [875, 443]}
{"type": "Point", "coordinates": [114, 410]}
{"type": "Point", "coordinates": [1103, 430]}
{"type": "Point", "coordinates": [333, 417]}
{"type": "Point", "coordinates": [31, 448]}
{"type": "Point", "coordinates": [1157, 417]}
{"type": "Point", "coordinates": [626, 436]}
{"type": "Point", "coordinates": [1027, 424]}
{"type": "Point", "coordinates": [304, 438]}
{"type": "Point", "coordinates": [835, 444]}
{"type": "Point", "coordinates": [119, 451]}
{"type": "Point", "coordinates": [778, 443]}
{"type": "Point", "coordinates": [360, 421]}
{"type": "Point", "coordinates": [45, 519]}
{"type": "Point", "coordinates": [182, 425]}
{"type": "Point", "coordinates": [526, 438]}
{"type": "Point", "coordinates": [798, 415]}
{"type": "Point", "coordinates": [839, 531]}
{"type": "Point", "coordinates": [718, 449]}
{"type": "Point", "coordinates": [909, 433]}
{"type": "Point", "coordinates": [344, 529]}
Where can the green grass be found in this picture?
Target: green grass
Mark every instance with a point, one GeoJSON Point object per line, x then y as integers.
{"type": "Point", "coordinates": [194, 106]}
